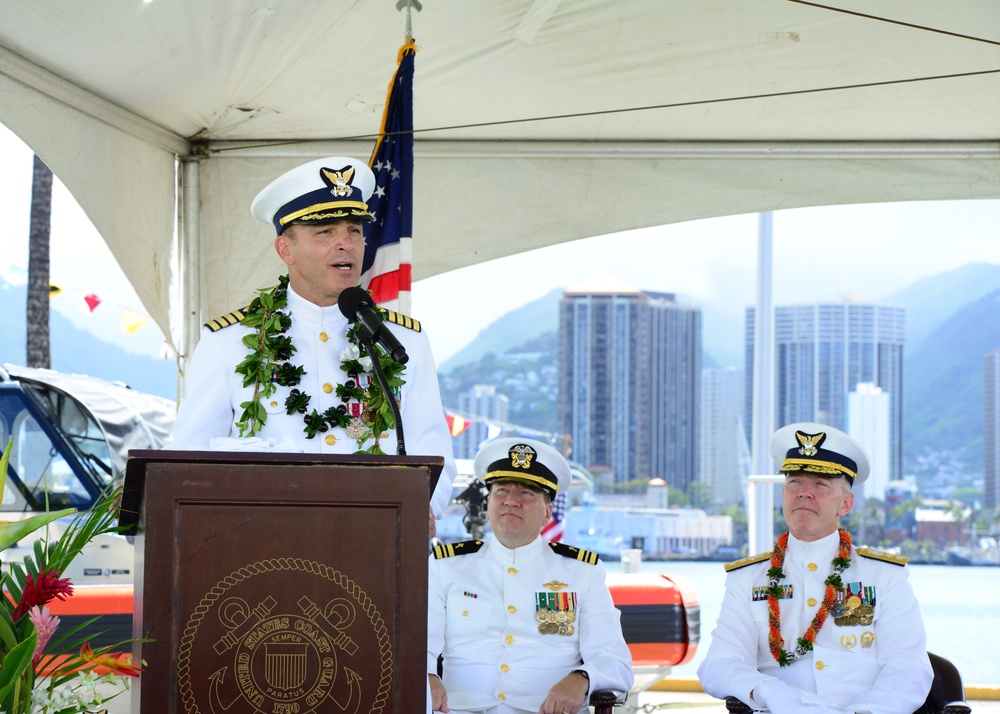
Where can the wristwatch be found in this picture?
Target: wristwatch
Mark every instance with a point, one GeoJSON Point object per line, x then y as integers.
{"type": "Point", "coordinates": [582, 673]}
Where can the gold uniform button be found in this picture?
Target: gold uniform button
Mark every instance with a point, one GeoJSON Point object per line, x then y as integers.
{"type": "Point", "coordinates": [501, 697]}
{"type": "Point", "coordinates": [811, 602]}
{"type": "Point", "coordinates": [323, 337]}
{"type": "Point", "coordinates": [813, 566]}
{"type": "Point", "coordinates": [504, 668]}
{"type": "Point", "coordinates": [330, 440]}
{"type": "Point", "coordinates": [511, 609]}
{"type": "Point", "coordinates": [820, 665]}
{"type": "Point", "coordinates": [512, 571]}
{"type": "Point", "coordinates": [509, 639]}
{"type": "Point", "coordinates": [327, 387]}
{"type": "Point", "coordinates": [274, 404]}
{"type": "Point", "coordinates": [465, 613]}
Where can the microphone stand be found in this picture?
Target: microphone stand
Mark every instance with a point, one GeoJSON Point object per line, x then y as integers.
{"type": "Point", "coordinates": [365, 335]}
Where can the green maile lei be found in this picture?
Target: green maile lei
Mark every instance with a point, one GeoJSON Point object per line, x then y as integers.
{"type": "Point", "coordinates": [268, 365]}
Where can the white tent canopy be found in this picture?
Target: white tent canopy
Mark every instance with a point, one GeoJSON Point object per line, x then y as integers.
{"type": "Point", "coordinates": [539, 121]}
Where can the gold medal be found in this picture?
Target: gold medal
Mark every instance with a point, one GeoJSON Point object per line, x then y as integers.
{"type": "Point", "coordinates": [356, 428]}
{"type": "Point", "coordinates": [551, 628]}
{"type": "Point", "coordinates": [854, 602]}
{"type": "Point", "coordinates": [559, 616]}
{"type": "Point", "coordinates": [563, 628]}
{"type": "Point", "coordinates": [570, 616]}
{"type": "Point", "coordinates": [569, 630]}
{"type": "Point", "coordinates": [542, 615]}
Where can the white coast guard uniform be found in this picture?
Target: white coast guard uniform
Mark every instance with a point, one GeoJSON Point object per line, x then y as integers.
{"type": "Point", "coordinates": [483, 599]}
{"type": "Point", "coordinates": [319, 334]}
{"type": "Point", "coordinates": [879, 667]}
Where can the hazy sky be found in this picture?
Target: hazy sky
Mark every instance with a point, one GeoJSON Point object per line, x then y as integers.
{"type": "Point", "coordinates": [822, 253]}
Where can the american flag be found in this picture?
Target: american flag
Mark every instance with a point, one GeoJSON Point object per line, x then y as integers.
{"type": "Point", "coordinates": [386, 271]}
{"type": "Point", "coordinates": [556, 527]}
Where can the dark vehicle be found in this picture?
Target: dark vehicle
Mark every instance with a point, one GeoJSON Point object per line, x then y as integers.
{"type": "Point", "coordinates": [71, 436]}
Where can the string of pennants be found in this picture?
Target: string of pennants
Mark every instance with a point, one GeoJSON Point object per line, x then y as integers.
{"type": "Point", "coordinates": [130, 321]}
{"type": "Point", "coordinates": [458, 422]}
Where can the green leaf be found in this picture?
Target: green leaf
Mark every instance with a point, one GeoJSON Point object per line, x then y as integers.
{"type": "Point", "coordinates": [11, 533]}
{"type": "Point", "coordinates": [249, 340]}
{"type": "Point", "coordinates": [4, 460]}
{"type": "Point", "coordinates": [7, 630]}
{"type": "Point", "coordinates": [16, 661]}
{"type": "Point", "coordinates": [252, 319]}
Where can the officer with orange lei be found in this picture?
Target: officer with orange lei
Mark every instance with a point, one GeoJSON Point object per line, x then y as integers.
{"type": "Point", "coordinates": [818, 625]}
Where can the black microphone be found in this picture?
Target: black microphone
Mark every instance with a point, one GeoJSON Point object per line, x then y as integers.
{"type": "Point", "coordinates": [358, 306]}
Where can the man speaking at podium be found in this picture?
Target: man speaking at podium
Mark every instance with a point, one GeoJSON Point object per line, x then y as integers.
{"type": "Point", "coordinates": [284, 373]}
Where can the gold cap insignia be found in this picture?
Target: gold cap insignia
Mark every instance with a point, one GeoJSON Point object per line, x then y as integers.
{"type": "Point", "coordinates": [520, 456]}
{"type": "Point", "coordinates": [555, 585]}
{"type": "Point", "coordinates": [339, 181]}
{"type": "Point", "coordinates": [809, 443]}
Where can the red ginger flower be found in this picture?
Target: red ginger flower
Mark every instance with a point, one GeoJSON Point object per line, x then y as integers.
{"type": "Point", "coordinates": [109, 661]}
{"type": "Point", "coordinates": [41, 591]}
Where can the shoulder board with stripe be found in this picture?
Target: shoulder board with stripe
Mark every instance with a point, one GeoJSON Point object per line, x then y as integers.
{"type": "Point", "coordinates": [447, 550]}
{"type": "Point", "coordinates": [568, 551]}
{"type": "Point", "coordinates": [749, 560]}
{"type": "Point", "coordinates": [231, 318]}
{"type": "Point", "coordinates": [867, 552]}
{"type": "Point", "coordinates": [398, 318]}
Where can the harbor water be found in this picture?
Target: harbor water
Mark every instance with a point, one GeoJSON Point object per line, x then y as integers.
{"type": "Point", "coordinates": [960, 607]}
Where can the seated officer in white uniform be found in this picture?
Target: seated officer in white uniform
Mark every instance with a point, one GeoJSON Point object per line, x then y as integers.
{"type": "Point", "coordinates": [819, 625]}
{"type": "Point", "coordinates": [310, 392]}
{"type": "Point", "coordinates": [524, 625]}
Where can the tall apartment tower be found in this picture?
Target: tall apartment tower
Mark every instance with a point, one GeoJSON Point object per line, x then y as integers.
{"type": "Point", "coordinates": [991, 435]}
{"type": "Point", "coordinates": [629, 383]}
{"type": "Point", "coordinates": [868, 424]}
{"type": "Point", "coordinates": [484, 401]}
{"type": "Point", "coordinates": [822, 352]}
{"type": "Point", "coordinates": [725, 454]}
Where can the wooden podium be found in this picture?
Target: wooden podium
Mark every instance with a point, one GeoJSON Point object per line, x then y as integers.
{"type": "Point", "coordinates": [279, 583]}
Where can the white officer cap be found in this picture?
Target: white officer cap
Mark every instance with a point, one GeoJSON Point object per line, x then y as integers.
{"type": "Point", "coordinates": [321, 191]}
{"type": "Point", "coordinates": [525, 461]}
{"type": "Point", "coordinates": [819, 450]}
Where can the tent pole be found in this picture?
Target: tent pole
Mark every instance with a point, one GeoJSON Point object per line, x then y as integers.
{"type": "Point", "coordinates": [760, 508]}
{"type": "Point", "coordinates": [190, 246]}
{"type": "Point", "coordinates": [628, 150]}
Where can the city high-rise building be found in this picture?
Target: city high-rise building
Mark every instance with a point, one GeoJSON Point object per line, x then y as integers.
{"type": "Point", "coordinates": [485, 402]}
{"type": "Point", "coordinates": [991, 433]}
{"type": "Point", "coordinates": [868, 423]}
{"type": "Point", "coordinates": [822, 352]}
{"type": "Point", "coordinates": [725, 454]}
{"type": "Point", "coordinates": [630, 365]}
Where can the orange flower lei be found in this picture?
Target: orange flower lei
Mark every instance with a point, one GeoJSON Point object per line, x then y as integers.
{"type": "Point", "coordinates": [833, 586]}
